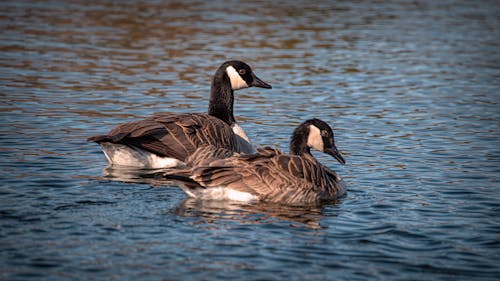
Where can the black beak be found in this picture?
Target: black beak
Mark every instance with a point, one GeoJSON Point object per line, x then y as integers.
{"type": "Point", "coordinates": [259, 83]}
{"type": "Point", "coordinates": [336, 154]}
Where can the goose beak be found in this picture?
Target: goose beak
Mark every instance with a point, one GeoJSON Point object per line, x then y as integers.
{"type": "Point", "coordinates": [336, 154]}
{"type": "Point", "coordinates": [259, 83]}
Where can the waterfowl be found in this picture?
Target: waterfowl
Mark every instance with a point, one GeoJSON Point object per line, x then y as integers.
{"type": "Point", "coordinates": [269, 175]}
{"type": "Point", "coordinates": [165, 140]}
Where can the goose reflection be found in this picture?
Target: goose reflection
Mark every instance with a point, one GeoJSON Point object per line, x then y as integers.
{"type": "Point", "coordinates": [214, 211]}
{"type": "Point", "coordinates": [135, 175]}
{"type": "Point", "coordinates": [217, 211]}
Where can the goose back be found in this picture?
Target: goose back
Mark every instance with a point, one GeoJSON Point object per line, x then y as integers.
{"type": "Point", "coordinates": [270, 175]}
{"type": "Point", "coordinates": [173, 135]}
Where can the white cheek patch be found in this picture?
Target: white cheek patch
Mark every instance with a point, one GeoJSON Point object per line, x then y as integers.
{"type": "Point", "coordinates": [236, 81]}
{"type": "Point", "coordinates": [314, 139]}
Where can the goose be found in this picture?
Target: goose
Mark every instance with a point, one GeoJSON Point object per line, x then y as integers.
{"type": "Point", "coordinates": [268, 175]}
{"type": "Point", "coordinates": [165, 140]}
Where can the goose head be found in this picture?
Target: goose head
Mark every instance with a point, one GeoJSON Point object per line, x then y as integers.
{"type": "Point", "coordinates": [317, 134]}
{"type": "Point", "coordinates": [230, 76]}
{"type": "Point", "coordinates": [241, 75]}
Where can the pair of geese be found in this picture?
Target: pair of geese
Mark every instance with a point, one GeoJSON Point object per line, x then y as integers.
{"type": "Point", "coordinates": [217, 157]}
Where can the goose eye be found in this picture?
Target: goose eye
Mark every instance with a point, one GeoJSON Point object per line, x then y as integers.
{"type": "Point", "coordinates": [242, 71]}
{"type": "Point", "coordinates": [324, 133]}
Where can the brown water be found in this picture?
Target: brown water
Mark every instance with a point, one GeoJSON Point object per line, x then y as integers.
{"type": "Point", "coordinates": [412, 89]}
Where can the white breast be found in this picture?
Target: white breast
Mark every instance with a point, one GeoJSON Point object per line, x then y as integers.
{"type": "Point", "coordinates": [243, 140]}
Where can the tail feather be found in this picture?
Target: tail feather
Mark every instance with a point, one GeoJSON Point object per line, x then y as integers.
{"type": "Point", "coordinates": [177, 178]}
{"type": "Point", "coordinates": [115, 138]}
{"type": "Point", "coordinates": [100, 138]}
{"type": "Point", "coordinates": [191, 187]}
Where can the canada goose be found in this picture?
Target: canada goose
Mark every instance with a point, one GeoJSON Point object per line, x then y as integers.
{"type": "Point", "coordinates": [270, 175]}
{"type": "Point", "coordinates": [165, 140]}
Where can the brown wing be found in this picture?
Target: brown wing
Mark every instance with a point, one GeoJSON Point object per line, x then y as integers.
{"type": "Point", "coordinates": [271, 175]}
{"type": "Point", "coordinates": [206, 154]}
{"type": "Point", "coordinates": [173, 135]}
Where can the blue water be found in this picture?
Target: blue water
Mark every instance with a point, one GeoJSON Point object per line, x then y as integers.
{"type": "Point", "coordinates": [411, 88]}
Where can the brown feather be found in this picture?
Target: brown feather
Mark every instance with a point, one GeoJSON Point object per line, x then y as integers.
{"type": "Point", "coordinates": [173, 135]}
{"type": "Point", "coordinates": [271, 175]}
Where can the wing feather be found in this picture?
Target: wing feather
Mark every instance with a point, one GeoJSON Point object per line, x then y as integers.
{"type": "Point", "coordinates": [271, 175]}
{"type": "Point", "coordinates": [173, 135]}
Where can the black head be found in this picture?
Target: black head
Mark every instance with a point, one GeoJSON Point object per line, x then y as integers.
{"type": "Point", "coordinates": [320, 137]}
{"type": "Point", "coordinates": [241, 75]}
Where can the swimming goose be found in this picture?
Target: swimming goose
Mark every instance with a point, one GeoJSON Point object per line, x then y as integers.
{"type": "Point", "coordinates": [269, 175]}
{"type": "Point", "coordinates": [165, 140]}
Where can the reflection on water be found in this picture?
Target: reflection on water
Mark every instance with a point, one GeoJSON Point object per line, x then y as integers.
{"type": "Point", "coordinates": [215, 212]}
{"type": "Point", "coordinates": [411, 89]}
{"type": "Point", "coordinates": [133, 175]}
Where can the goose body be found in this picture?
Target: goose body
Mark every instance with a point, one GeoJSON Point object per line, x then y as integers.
{"type": "Point", "coordinates": [269, 175]}
{"type": "Point", "coordinates": [166, 140]}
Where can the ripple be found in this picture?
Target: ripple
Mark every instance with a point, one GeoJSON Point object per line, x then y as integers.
{"type": "Point", "coordinates": [81, 204]}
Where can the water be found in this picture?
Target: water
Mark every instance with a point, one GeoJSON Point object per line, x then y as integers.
{"type": "Point", "coordinates": [410, 87]}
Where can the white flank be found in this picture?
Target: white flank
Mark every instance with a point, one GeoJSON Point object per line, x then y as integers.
{"type": "Point", "coordinates": [236, 81]}
{"type": "Point", "coordinates": [188, 191]}
{"type": "Point", "coordinates": [314, 139]}
{"type": "Point", "coordinates": [243, 140]}
{"type": "Point", "coordinates": [223, 193]}
{"type": "Point", "coordinates": [122, 155]}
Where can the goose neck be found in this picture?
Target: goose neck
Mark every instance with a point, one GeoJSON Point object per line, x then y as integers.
{"type": "Point", "coordinates": [222, 99]}
{"type": "Point", "coordinates": [298, 142]}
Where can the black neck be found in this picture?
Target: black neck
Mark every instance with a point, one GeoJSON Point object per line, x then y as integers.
{"type": "Point", "coordinates": [298, 143]}
{"type": "Point", "coordinates": [222, 98]}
